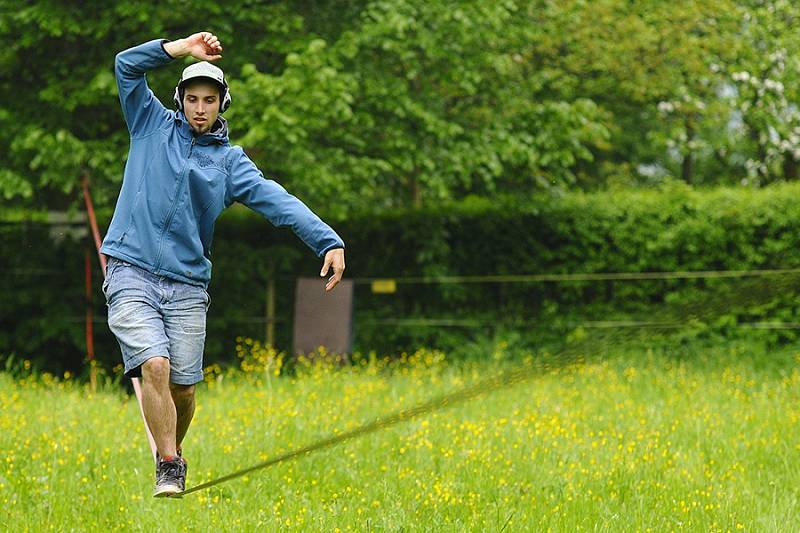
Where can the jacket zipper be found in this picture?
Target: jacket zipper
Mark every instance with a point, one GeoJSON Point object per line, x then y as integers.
{"type": "Point", "coordinates": [174, 209]}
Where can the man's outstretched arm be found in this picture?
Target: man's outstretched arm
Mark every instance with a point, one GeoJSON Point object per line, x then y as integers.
{"type": "Point", "coordinates": [247, 185]}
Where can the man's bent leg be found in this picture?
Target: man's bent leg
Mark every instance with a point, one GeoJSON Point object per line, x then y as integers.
{"type": "Point", "coordinates": [183, 398]}
{"type": "Point", "coordinates": [185, 327]}
{"type": "Point", "coordinates": [158, 406]}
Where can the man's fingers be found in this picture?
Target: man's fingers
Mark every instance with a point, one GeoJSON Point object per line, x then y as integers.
{"type": "Point", "coordinates": [333, 281]}
{"type": "Point", "coordinates": [210, 43]}
{"type": "Point", "coordinates": [325, 266]}
{"type": "Point", "coordinates": [334, 258]}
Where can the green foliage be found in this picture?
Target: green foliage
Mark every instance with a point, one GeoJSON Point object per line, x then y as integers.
{"type": "Point", "coordinates": [385, 116]}
{"type": "Point", "coordinates": [58, 98]}
{"type": "Point", "coordinates": [765, 76]}
{"type": "Point", "coordinates": [405, 103]}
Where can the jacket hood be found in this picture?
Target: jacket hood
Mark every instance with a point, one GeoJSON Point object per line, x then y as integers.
{"type": "Point", "coordinates": [218, 134]}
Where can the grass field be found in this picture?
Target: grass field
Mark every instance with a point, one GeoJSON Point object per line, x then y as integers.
{"type": "Point", "coordinates": [633, 441]}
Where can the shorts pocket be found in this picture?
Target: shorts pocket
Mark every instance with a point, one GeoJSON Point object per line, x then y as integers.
{"type": "Point", "coordinates": [111, 265]}
{"type": "Point", "coordinates": [114, 268]}
{"type": "Point", "coordinates": [192, 313]}
{"type": "Point", "coordinates": [193, 320]}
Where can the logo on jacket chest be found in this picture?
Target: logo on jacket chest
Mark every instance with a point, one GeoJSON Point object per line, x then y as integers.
{"type": "Point", "coordinates": [205, 160]}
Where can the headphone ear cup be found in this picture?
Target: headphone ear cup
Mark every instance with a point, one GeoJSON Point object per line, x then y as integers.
{"type": "Point", "coordinates": [177, 99]}
{"type": "Point", "coordinates": [226, 102]}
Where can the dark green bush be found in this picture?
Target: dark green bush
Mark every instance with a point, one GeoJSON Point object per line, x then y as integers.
{"type": "Point", "coordinates": [673, 229]}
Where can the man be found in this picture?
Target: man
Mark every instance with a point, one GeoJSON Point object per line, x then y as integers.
{"type": "Point", "coordinates": [180, 175]}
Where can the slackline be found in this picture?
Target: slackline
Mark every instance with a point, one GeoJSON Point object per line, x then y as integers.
{"type": "Point", "coordinates": [501, 381]}
{"type": "Point", "coordinates": [756, 289]}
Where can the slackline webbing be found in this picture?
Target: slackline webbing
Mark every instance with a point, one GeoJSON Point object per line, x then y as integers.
{"type": "Point", "coordinates": [503, 380]}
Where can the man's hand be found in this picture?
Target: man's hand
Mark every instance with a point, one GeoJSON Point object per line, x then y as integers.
{"type": "Point", "coordinates": [334, 258]}
{"type": "Point", "coordinates": [203, 45]}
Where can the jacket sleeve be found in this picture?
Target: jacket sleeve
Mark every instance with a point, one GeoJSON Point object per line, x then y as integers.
{"type": "Point", "coordinates": [247, 185]}
{"type": "Point", "coordinates": [143, 112]}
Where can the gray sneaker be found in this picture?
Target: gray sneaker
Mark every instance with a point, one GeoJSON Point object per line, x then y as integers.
{"type": "Point", "coordinates": [170, 477]}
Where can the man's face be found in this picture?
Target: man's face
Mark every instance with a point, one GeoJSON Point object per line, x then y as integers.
{"type": "Point", "coordinates": [201, 104]}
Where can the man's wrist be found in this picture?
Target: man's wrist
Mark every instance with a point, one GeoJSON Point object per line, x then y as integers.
{"type": "Point", "coordinates": [177, 48]}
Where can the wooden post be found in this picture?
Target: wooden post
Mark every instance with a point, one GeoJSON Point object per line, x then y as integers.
{"type": "Point", "coordinates": [270, 327]}
{"type": "Point", "coordinates": [90, 322]}
{"type": "Point", "coordinates": [87, 198]}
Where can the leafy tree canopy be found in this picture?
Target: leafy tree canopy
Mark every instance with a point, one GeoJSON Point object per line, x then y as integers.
{"type": "Point", "coordinates": [402, 103]}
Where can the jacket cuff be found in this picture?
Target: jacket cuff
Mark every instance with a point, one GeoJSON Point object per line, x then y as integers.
{"type": "Point", "coordinates": [331, 247]}
{"type": "Point", "coordinates": [163, 42]}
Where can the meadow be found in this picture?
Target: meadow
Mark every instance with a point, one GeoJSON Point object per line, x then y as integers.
{"type": "Point", "coordinates": [700, 439]}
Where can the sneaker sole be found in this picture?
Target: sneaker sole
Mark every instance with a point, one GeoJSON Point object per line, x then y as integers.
{"type": "Point", "coordinates": [167, 491]}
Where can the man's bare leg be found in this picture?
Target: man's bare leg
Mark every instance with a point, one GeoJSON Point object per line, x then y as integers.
{"type": "Point", "coordinates": [183, 398]}
{"type": "Point", "coordinates": [158, 406]}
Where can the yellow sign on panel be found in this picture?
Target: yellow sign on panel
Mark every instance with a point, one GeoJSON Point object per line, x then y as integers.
{"type": "Point", "coordinates": [384, 286]}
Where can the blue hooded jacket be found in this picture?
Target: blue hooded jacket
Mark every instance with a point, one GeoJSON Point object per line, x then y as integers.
{"type": "Point", "coordinates": [177, 183]}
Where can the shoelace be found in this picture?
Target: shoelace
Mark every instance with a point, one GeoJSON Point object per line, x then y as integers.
{"type": "Point", "coordinates": [171, 468]}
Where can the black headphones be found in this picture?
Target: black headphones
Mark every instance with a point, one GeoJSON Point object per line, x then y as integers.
{"type": "Point", "coordinates": [225, 94]}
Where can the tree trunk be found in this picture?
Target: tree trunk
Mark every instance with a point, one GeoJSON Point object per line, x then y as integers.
{"type": "Point", "coordinates": [789, 166]}
{"type": "Point", "coordinates": [687, 164]}
{"type": "Point", "coordinates": [415, 190]}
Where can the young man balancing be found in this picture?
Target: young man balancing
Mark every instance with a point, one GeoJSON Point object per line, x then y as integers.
{"type": "Point", "coordinates": [180, 175]}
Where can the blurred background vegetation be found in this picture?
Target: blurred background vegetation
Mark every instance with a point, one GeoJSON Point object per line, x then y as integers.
{"type": "Point", "coordinates": [440, 137]}
{"type": "Point", "coordinates": [405, 103]}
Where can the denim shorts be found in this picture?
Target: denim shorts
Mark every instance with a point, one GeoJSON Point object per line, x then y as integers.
{"type": "Point", "coordinates": [155, 316]}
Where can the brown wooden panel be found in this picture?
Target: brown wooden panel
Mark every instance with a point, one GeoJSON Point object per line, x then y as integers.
{"type": "Point", "coordinates": [323, 318]}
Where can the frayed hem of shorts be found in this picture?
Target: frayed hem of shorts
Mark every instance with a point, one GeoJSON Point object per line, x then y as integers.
{"type": "Point", "coordinates": [190, 379]}
{"type": "Point", "coordinates": [136, 370]}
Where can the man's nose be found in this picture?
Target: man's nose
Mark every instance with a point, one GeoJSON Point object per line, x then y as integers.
{"type": "Point", "coordinates": [201, 108]}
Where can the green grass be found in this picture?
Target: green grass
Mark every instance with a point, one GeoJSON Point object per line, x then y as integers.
{"type": "Point", "coordinates": [635, 441]}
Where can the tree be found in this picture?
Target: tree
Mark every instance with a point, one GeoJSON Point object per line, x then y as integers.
{"type": "Point", "coordinates": [766, 77]}
{"type": "Point", "coordinates": [376, 103]}
{"type": "Point", "coordinates": [58, 98]}
{"type": "Point", "coordinates": [419, 101]}
{"type": "Point", "coordinates": [648, 66]}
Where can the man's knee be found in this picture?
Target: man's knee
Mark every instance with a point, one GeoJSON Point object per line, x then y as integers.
{"type": "Point", "coordinates": [156, 369]}
{"type": "Point", "coordinates": [182, 393]}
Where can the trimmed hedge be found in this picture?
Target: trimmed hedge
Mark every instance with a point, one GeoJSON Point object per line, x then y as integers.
{"type": "Point", "coordinates": [676, 228]}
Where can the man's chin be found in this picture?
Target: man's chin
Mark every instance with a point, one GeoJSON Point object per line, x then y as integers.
{"type": "Point", "coordinates": [200, 128]}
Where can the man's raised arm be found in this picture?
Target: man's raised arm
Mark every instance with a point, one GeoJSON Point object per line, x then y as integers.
{"type": "Point", "coordinates": [140, 107]}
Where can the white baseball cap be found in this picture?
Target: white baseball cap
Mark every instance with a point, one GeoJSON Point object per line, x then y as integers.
{"type": "Point", "coordinates": [203, 69]}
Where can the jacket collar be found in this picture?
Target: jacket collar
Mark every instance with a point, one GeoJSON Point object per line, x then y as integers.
{"type": "Point", "coordinates": [218, 134]}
